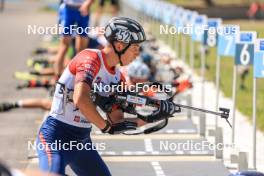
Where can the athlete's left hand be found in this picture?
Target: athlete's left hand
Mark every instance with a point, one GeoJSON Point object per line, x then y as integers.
{"type": "Point", "coordinates": [166, 109]}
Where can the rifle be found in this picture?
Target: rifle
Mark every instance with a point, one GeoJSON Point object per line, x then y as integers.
{"type": "Point", "coordinates": [127, 101]}
{"type": "Point", "coordinates": [35, 84]}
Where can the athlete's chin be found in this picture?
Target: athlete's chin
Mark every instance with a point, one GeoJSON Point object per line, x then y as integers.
{"type": "Point", "coordinates": [130, 60]}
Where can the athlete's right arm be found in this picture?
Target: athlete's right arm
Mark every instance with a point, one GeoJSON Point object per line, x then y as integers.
{"type": "Point", "coordinates": [85, 69]}
{"type": "Point", "coordinates": [86, 66]}
{"type": "Point", "coordinates": [81, 98]}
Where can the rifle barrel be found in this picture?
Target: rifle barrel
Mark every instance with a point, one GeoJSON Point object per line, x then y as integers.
{"type": "Point", "coordinates": [199, 109]}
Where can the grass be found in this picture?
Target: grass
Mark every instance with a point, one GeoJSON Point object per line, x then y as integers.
{"type": "Point", "coordinates": [244, 97]}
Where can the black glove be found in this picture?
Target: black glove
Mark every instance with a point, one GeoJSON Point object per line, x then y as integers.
{"type": "Point", "coordinates": [105, 103]}
{"type": "Point", "coordinates": [165, 110]}
{"type": "Point", "coordinates": [119, 128]}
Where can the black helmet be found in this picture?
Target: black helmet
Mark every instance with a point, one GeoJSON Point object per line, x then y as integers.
{"type": "Point", "coordinates": [248, 173]}
{"type": "Point", "coordinates": [124, 30]}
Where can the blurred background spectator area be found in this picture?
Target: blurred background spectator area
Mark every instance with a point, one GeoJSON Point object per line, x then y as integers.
{"type": "Point", "coordinates": [235, 9]}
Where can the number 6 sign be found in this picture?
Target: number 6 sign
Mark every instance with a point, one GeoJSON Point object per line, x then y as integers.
{"type": "Point", "coordinates": [245, 48]}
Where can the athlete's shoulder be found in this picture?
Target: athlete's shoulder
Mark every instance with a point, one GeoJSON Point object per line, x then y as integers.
{"type": "Point", "coordinates": [86, 58]}
{"type": "Point", "coordinates": [87, 54]}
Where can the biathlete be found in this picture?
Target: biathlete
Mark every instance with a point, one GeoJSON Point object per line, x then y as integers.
{"type": "Point", "coordinates": [73, 111]}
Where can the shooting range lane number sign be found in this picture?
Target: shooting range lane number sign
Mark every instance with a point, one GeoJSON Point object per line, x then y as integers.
{"type": "Point", "coordinates": [227, 40]}
{"type": "Point", "coordinates": [245, 47]}
{"type": "Point", "coordinates": [259, 59]}
{"type": "Point", "coordinates": [211, 32]}
{"type": "Point", "coordinates": [198, 28]}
